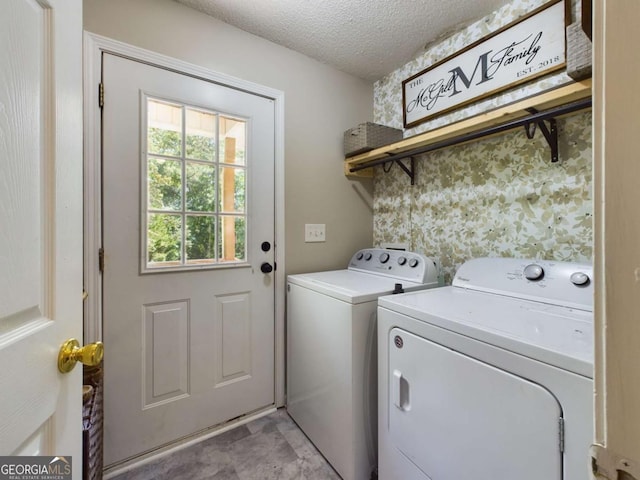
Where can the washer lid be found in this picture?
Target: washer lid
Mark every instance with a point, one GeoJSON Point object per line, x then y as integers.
{"type": "Point", "coordinates": [353, 286]}
{"type": "Point", "coordinates": [556, 335]}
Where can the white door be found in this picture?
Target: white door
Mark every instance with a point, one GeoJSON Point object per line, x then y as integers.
{"type": "Point", "coordinates": [40, 226]}
{"type": "Point", "coordinates": [188, 201]}
{"type": "Point", "coordinates": [458, 418]}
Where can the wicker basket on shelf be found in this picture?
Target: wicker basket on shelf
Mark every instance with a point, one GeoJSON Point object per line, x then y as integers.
{"type": "Point", "coordinates": [368, 136]}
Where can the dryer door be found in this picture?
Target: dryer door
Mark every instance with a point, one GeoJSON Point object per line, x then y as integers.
{"type": "Point", "coordinates": [458, 418]}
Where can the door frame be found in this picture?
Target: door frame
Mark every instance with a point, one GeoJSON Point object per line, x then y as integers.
{"type": "Point", "coordinates": [94, 47]}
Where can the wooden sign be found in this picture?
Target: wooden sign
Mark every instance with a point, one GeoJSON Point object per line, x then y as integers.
{"type": "Point", "coordinates": [525, 49]}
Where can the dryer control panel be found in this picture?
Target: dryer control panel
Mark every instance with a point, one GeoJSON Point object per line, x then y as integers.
{"type": "Point", "coordinates": [568, 284]}
{"type": "Point", "coordinates": [408, 266]}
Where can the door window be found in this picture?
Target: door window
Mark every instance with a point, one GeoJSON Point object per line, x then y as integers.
{"type": "Point", "coordinates": [194, 187]}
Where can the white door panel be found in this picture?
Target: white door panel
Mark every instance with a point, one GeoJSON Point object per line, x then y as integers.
{"type": "Point", "coordinates": [41, 218]}
{"type": "Point", "coordinates": [185, 349]}
{"type": "Point", "coordinates": [455, 417]}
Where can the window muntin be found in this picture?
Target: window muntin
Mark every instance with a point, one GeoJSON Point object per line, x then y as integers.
{"type": "Point", "coordinates": [195, 184]}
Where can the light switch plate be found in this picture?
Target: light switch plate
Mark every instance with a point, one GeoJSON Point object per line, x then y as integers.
{"type": "Point", "coordinates": [314, 232]}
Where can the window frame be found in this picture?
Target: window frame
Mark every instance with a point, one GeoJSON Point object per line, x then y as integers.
{"type": "Point", "coordinates": [217, 214]}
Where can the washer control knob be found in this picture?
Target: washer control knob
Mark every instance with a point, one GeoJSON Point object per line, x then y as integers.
{"type": "Point", "coordinates": [533, 272]}
{"type": "Point", "coordinates": [579, 278]}
{"type": "Point", "coordinates": [367, 256]}
{"type": "Point", "coordinates": [402, 260]}
{"type": "Point", "coordinates": [384, 257]}
{"type": "Point", "coordinates": [413, 263]}
{"type": "Point", "coordinates": [359, 256]}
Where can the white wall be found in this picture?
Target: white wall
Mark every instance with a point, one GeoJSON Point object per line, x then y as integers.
{"type": "Point", "coordinates": [320, 103]}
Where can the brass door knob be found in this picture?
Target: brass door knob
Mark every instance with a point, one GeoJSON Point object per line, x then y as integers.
{"type": "Point", "coordinates": [71, 353]}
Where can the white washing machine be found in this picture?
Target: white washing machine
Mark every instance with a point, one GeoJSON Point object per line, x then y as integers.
{"type": "Point", "coordinates": [331, 352]}
{"type": "Point", "coordinates": [491, 378]}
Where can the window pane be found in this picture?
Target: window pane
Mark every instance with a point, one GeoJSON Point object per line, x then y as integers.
{"type": "Point", "coordinates": [232, 233]}
{"type": "Point", "coordinates": [201, 239]}
{"type": "Point", "coordinates": [232, 140]}
{"type": "Point", "coordinates": [201, 135]}
{"type": "Point", "coordinates": [201, 187]}
{"type": "Point", "coordinates": [164, 240]}
{"type": "Point", "coordinates": [232, 190]}
{"type": "Point", "coordinates": [164, 184]}
{"type": "Point", "coordinates": [196, 184]}
{"type": "Point", "coordinates": [164, 134]}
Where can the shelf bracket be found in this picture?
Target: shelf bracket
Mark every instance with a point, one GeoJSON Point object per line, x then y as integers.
{"type": "Point", "coordinates": [411, 170]}
{"type": "Point", "coordinates": [550, 133]}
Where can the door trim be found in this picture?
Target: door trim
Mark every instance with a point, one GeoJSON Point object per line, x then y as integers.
{"type": "Point", "coordinates": [94, 47]}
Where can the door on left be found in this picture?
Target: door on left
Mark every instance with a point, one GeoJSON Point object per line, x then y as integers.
{"type": "Point", "coordinates": [40, 226]}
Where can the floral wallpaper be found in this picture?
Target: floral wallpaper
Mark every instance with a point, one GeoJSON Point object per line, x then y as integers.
{"type": "Point", "coordinates": [496, 197]}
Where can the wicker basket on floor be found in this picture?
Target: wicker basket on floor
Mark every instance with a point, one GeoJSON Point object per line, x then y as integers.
{"type": "Point", "coordinates": [92, 424]}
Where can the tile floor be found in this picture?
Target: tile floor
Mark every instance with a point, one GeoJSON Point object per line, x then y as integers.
{"type": "Point", "coordinates": [271, 447]}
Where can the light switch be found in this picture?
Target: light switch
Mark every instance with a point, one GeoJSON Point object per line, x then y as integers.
{"type": "Point", "coordinates": [314, 232]}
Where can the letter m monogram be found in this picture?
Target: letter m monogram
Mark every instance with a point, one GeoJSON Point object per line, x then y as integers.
{"type": "Point", "coordinates": [457, 73]}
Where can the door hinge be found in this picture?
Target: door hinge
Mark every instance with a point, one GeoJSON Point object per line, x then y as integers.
{"type": "Point", "coordinates": [101, 95]}
{"type": "Point", "coordinates": [101, 259]}
{"type": "Point", "coordinates": [561, 433]}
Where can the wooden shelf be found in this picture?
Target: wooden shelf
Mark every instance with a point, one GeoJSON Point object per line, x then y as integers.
{"type": "Point", "coordinates": [502, 115]}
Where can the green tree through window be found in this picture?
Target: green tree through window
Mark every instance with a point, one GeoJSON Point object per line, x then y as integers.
{"type": "Point", "coordinates": [182, 196]}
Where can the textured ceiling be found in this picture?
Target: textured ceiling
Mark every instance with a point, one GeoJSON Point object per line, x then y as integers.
{"type": "Point", "coordinates": [366, 38]}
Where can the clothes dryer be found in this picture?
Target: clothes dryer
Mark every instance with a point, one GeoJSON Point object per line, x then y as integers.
{"type": "Point", "coordinates": [490, 378]}
{"type": "Point", "coordinates": [331, 351]}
